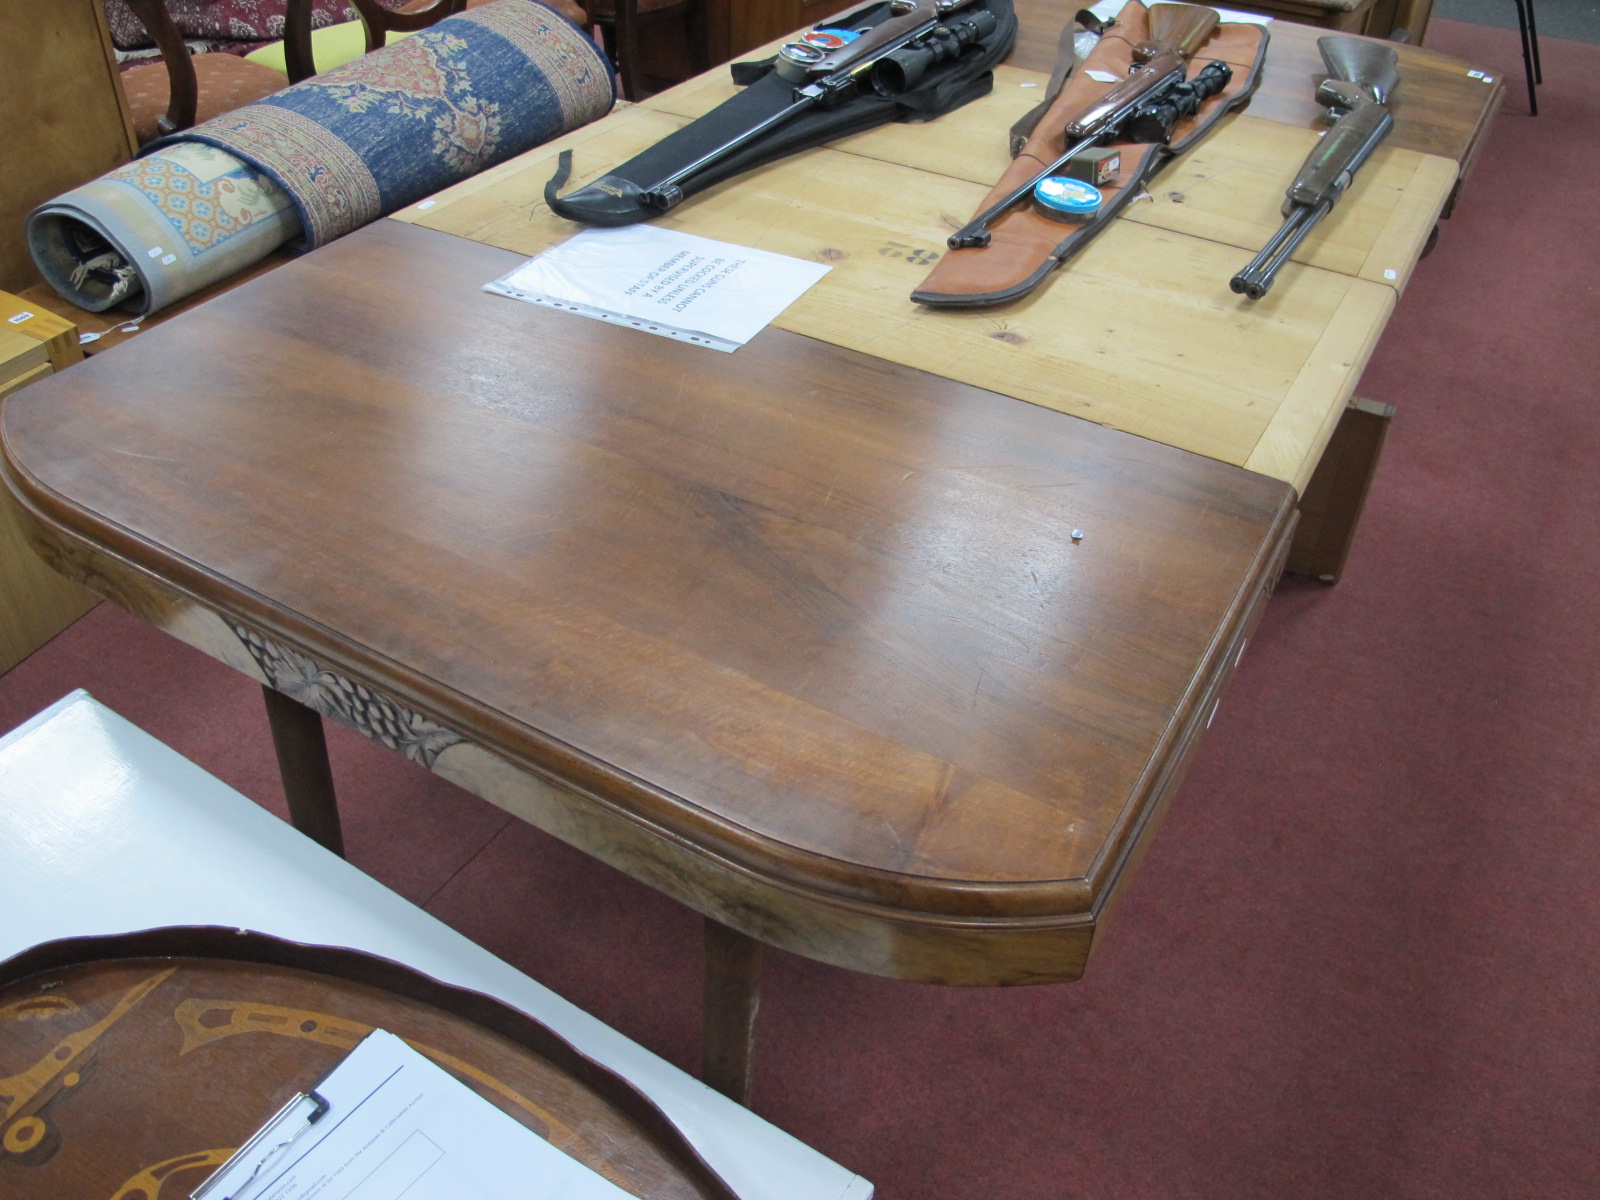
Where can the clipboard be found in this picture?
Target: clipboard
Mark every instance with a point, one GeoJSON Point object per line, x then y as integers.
{"type": "Point", "coordinates": [389, 1124]}
{"type": "Point", "coordinates": [257, 1156]}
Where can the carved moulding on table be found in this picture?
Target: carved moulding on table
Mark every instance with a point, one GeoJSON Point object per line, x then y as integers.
{"type": "Point", "coordinates": [355, 704]}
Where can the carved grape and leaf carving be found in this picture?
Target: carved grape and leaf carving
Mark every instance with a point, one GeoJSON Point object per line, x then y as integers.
{"type": "Point", "coordinates": [333, 695]}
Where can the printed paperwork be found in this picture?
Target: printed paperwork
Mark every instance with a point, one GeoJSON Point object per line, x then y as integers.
{"type": "Point", "coordinates": [386, 1123]}
{"type": "Point", "coordinates": [664, 282]}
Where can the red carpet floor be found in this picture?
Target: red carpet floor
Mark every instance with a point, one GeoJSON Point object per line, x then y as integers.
{"type": "Point", "coordinates": [1363, 957]}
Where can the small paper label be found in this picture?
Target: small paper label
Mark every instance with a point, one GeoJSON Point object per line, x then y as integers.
{"type": "Point", "coordinates": [1391, 274]}
{"type": "Point", "coordinates": [153, 252]}
{"type": "Point", "coordinates": [1230, 16]}
{"type": "Point", "coordinates": [169, 260]}
{"type": "Point", "coordinates": [1106, 9]}
{"type": "Point", "coordinates": [1102, 76]}
{"type": "Point", "coordinates": [20, 318]}
{"type": "Point", "coordinates": [427, 204]}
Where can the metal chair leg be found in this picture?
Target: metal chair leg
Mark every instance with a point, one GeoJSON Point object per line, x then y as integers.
{"type": "Point", "coordinates": [1533, 38]}
{"type": "Point", "coordinates": [1530, 51]}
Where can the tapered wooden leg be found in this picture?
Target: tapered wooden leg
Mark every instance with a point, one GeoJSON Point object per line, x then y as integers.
{"type": "Point", "coordinates": [1333, 500]}
{"type": "Point", "coordinates": [733, 994]}
{"type": "Point", "coordinates": [303, 762]}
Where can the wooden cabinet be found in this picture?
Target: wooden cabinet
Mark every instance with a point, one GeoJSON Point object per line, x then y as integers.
{"type": "Point", "coordinates": [65, 122]}
{"type": "Point", "coordinates": [736, 27]}
{"type": "Point", "coordinates": [62, 110]}
{"type": "Point", "coordinates": [35, 602]}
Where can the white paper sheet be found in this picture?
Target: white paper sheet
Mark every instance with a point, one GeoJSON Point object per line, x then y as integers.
{"type": "Point", "coordinates": [664, 282]}
{"type": "Point", "coordinates": [1107, 9]}
{"type": "Point", "coordinates": [398, 1126]}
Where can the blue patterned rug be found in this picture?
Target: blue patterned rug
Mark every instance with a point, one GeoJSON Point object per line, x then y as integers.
{"type": "Point", "coordinates": [335, 152]}
{"type": "Point", "coordinates": [159, 228]}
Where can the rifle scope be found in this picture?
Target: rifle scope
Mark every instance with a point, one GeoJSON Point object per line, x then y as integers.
{"type": "Point", "coordinates": [1155, 121]}
{"type": "Point", "coordinates": [900, 69]}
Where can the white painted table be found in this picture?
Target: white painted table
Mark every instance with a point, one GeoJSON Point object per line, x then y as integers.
{"type": "Point", "coordinates": [104, 830]}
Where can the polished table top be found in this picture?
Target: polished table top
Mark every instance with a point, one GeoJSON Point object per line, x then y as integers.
{"type": "Point", "coordinates": [806, 639]}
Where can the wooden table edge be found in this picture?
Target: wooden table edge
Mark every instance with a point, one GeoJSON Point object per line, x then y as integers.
{"type": "Point", "coordinates": [900, 925]}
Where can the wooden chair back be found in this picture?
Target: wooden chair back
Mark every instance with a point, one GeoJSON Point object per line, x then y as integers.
{"type": "Point", "coordinates": [378, 21]}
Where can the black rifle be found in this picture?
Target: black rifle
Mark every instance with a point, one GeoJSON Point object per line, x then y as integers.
{"type": "Point", "coordinates": [1361, 77]}
{"type": "Point", "coordinates": [892, 55]}
{"type": "Point", "coordinates": [1145, 106]}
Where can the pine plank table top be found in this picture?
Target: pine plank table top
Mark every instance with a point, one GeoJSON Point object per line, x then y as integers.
{"type": "Point", "coordinates": [1139, 332]}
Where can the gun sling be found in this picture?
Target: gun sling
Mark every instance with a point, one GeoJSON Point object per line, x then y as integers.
{"type": "Point", "coordinates": [620, 196]}
{"type": "Point", "coordinates": [1025, 247]}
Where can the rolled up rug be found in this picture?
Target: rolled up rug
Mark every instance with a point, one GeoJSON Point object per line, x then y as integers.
{"type": "Point", "coordinates": [322, 158]}
{"type": "Point", "coordinates": [159, 228]}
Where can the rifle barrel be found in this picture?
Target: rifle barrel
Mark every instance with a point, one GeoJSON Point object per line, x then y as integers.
{"type": "Point", "coordinates": [976, 231]}
{"type": "Point", "coordinates": [666, 194]}
{"type": "Point", "coordinates": [1257, 277]}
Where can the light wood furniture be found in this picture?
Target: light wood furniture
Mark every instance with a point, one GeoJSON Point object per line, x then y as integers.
{"type": "Point", "coordinates": [36, 603]}
{"type": "Point", "coordinates": [62, 110]}
{"type": "Point", "coordinates": [1176, 356]}
{"type": "Point", "coordinates": [853, 657]}
{"type": "Point", "coordinates": [104, 832]}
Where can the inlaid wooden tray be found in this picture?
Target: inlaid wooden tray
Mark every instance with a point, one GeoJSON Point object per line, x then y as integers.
{"type": "Point", "coordinates": [132, 1066]}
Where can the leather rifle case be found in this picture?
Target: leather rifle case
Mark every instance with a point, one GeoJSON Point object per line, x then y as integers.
{"type": "Point", "coordinates": [617, 198]}
{"type": "Point", "coordinates": [1024, 247]}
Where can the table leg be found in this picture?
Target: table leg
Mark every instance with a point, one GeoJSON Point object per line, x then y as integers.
{"type": "Point", "coordinates": [1334, 498]}
{"type": "Point", "coordinates": [733, 994]}
{"type": "Point", "coordinates": [303, 762]}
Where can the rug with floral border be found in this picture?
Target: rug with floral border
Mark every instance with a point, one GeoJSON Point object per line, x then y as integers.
{"type": "Point", "coordinates": [369, 137]}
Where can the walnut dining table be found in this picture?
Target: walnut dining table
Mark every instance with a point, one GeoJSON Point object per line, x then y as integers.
{"type": "Point", "coordinates": [855, 658]}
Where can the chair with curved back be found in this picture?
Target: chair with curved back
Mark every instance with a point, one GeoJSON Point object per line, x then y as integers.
{"type": "Point", "coordinates": [182, 89]}
{"type": "Point", "coordinates": [377, 22]}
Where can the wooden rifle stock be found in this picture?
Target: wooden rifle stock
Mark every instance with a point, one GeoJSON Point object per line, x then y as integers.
{"type": "Point", "coordinates": [1364, 121]}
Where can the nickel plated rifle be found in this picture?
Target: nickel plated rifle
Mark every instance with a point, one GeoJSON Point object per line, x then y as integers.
{"type": "Point", "coordinates": [830, 65]}
{"type": "Point", "coordinates": [1145, 106]}
{"type": "Point", "coordinates": [1362, 75]}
